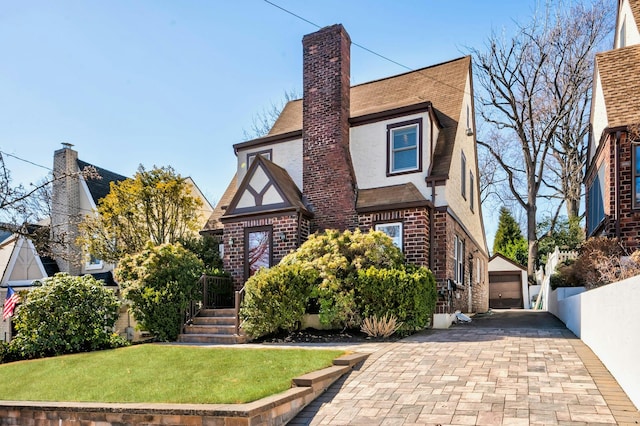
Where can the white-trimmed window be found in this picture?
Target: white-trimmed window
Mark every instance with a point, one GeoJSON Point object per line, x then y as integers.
{"type": "Point", "coordinates": [252, 155]}
{"type": "Point", "coordinates": [463, 176]}
{"type": "Point", "coordinates": [404, 142]}
{"type": "Point", "coordinates": [393, 230]}
{"type": "Point", "coordinates": [458, 260]}
{"type": "Point", "coordinates": [93, 263]}
{"type": "Point", "coordinates": [471, 190]}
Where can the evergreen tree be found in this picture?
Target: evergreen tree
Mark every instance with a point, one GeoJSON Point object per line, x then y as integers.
{"type": "Point", "coordinates": [509, 240]}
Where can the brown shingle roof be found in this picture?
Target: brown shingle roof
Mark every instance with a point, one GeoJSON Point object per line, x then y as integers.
{"type": "Point", "coordinates": [395, 196]}
{"type": "Point", "coordinates": [443, 85]}
{"type": "Point", "coordinates": [620, 78]}
{"type": "Point", "coordinates": [214, 224]}
{"type": "Point", "coordinates": [635, 9]}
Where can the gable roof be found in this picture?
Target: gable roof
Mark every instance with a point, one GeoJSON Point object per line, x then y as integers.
{"type": "Point", "coordinates": [279, 179]}
{"type": "Point", "coordinates": [99, 188]}
{"type": "Point", "coordinates": [214, 224]}
{"type": "Point", "coordinates": [442, 84]}
{"type": "Point", "coordinates": [619, 70]}
{"type": "Point", "coordinates": [503, 257]}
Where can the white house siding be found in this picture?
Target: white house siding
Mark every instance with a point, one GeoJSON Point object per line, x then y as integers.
{"type": "Point", "coordinates": [470, 218]}
{"type": "Point", "coordinates": [626, 20]}
{"type": "Point", "coordinates": [87, 208]}
{"type": "Point", "coordinates": [598, 115]}
{"type": "Point", "coordinates": [368, 146]}
{"type": "Point", "coordinates": [287, 155]}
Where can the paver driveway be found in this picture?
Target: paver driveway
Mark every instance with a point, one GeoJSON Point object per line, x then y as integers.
{"type": "Point", "coordinates": [511, 367]}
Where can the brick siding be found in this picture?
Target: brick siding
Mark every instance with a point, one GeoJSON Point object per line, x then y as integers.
{"type": "Point", "coordinates": [328, 176]}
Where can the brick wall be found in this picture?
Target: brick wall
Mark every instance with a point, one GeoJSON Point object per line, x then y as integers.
{"type": "Point", "coordinates": [445, 229]}
{"type": "Point", "coordinates": [284, 232]}
{"type": "Point", "coordinates": [328, 177]}
{"type": "Point", "coordinates": [415, 231]}
{"type": "Point", "coordinates": [65, 210]}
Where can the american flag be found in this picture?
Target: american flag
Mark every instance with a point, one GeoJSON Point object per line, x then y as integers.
{"type": "Point", "coordinates": [9, 303]}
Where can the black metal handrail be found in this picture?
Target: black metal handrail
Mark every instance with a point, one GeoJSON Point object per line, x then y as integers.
{"type": "Point", "coordinates": [239, 296]}
{"type": "Point", "coordinates": [216, 292]}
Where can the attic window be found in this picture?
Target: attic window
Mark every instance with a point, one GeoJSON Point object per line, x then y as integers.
{"type": "Point", "coordinates": [251, 156]}
{"type": "Point", "coordinates": [404, 145]}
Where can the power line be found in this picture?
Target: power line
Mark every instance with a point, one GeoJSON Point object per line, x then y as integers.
{"type": "Point", "coordinates": [26, 161]}
{"type": "Point", "coordinates": [373, 52]}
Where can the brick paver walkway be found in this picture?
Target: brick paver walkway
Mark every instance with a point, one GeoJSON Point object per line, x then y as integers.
{"type": "Point", "coordinates": [477, 376]}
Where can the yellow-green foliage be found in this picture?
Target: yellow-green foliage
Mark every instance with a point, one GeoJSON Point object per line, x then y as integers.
{"type": "Point", "coordinates": [338, 256]}
{"type": "Point", "coordinates": [160, 282]}
{"type": "Point", "coordinates": [156, 205]}
{"type": "Point", "coordinates": [276, 299]}
{"type": "Point", "coordinates": [65, 314]}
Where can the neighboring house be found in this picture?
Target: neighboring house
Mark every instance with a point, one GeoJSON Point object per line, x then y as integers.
{"type": "Point", "coordinates": [20, 266]}
{"type": "Point", "coordinates": [73, 197]}
{"type": "Point", "coordinates": [612, 178]}
{"type": "Point", "coordinates": [396, 154]}
{"type": "Point", "coordinates": [508, 285]}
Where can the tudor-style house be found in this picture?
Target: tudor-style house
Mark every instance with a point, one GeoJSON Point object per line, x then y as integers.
{"type": "Point", "coordinates": [396, 154]}
{"type": "Point", "coordinates": [612, 178]}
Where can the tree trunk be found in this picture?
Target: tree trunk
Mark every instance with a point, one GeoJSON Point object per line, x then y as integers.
{"type": "Point", "coordinates": [532, 238]}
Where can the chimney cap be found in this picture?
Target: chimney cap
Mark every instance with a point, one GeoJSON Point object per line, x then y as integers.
{"type": "Point", "coordinates": [67, 144]}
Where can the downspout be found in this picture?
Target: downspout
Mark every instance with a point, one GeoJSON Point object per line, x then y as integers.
{"type": "Point", "coordinates": [433, 195]}
{"type": "Point", "coordinates": [617, 183]}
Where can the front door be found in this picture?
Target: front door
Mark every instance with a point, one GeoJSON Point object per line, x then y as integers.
{"type": "Point", "coordinates": [258, 249]}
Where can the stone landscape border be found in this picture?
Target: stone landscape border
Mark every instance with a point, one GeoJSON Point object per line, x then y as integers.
{"type": "Point", "coordinates": [273, 410]}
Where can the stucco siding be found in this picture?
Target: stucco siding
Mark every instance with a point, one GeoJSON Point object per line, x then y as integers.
{"type": "Point", "coordinates": [628, 21]}
{"type": "Point", "coordinates": [598, 115]}
{"type": "Point", "coordinates": [458, 203]}
{"type": "Point", "coordinates": [287, 155]}
{"type": "Point", "coordinates": [369, 154]}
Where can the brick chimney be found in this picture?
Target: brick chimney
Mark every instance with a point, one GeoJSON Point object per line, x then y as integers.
{"type": "Point", "coordinates": [65, 209]}
{"type": "Point", "coordinates": [328, 178]}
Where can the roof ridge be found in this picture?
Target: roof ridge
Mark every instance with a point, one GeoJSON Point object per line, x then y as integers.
{"type": "Point", "coordinates": [413, 71]}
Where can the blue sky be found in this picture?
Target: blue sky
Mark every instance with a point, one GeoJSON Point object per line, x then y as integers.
{"type": "Point", "coordinates": [176, 82]}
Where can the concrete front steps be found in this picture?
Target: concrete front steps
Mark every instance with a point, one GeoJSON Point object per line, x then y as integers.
{"type": "Point", "coordinates": [213, 326]}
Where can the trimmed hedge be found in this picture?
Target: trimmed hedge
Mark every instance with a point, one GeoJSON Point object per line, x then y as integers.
{"type": "Point", "coordinates": [276, 299]}
{"type": "Point", "coordinates": [409, 294]}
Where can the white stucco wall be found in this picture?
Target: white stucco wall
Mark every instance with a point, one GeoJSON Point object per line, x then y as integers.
{"type": "Point", "coordinates": [471, 218]}
{"type": "Point", "coordinates": [598, 115]}
{"type": "Point", "coordinates": [626, 20]}
{"type": "Point", "coordinates": [368, 146]}
{"type": "Point", "coordinates": [287, 155]}
{"type": "Point", "coordinates": [606, 319]}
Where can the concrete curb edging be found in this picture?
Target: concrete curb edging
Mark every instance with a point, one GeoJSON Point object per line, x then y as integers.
{"type": "Point", "coordinates": [272, 410]}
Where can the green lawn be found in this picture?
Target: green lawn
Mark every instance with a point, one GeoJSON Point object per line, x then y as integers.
{"type": "Point", "coordinates": [158, 373]}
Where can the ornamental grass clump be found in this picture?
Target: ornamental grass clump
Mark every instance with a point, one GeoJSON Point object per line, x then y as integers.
{"type": "Point", "coordinates": [380, 327]}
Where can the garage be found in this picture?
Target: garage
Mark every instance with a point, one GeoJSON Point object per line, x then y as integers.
{"type": "Point", "coordinates": [505, 290]}
{"type": "Point", "coordinates": [508, 287]}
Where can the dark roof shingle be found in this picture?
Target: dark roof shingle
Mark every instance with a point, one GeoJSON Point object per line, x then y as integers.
{"type": "Point", "coordinates": [99, 188]}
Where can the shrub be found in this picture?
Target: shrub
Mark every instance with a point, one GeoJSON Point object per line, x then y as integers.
{"type": "Point", "coordinates": [407, 293]}
{"type": "Point", "coordinates": [383, 327]}
{"type": "Point", "coordinates": [276, 299]}
{"type": "Point", "coordinates": [338, 256]}
{"type": "Point", "coordinates": [160, 282]}
{"type": "Point", "coordinates": [64, 315]}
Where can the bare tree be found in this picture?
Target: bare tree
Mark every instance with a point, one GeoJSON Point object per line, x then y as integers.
{"type": "Point", "coordinates": [530, 84]}
{"type": "Point", "coordinates": [21, 209]}
{"type": "Point", "coordinates": [263, 120]}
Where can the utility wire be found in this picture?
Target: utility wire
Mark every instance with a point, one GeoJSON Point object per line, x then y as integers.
{"type": "Point", "coordinates": [373, 52]}
{"type": "Point", "coordinates": [26, 161]}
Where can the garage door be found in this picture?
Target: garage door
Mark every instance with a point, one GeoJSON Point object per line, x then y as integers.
{"type": "Point", "coordinates": [505, 291]}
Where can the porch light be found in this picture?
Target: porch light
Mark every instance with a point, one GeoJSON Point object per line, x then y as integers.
{"type": "Point", "coordinates": [231, 241]}
{"type": "Point", "coordinates": [282, 236]}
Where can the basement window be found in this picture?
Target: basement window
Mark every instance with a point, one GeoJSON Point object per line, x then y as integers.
{"type": "Point", "coordinates": [404, 144]}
